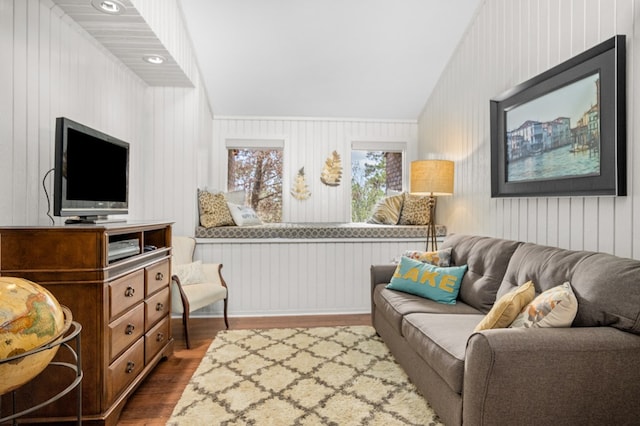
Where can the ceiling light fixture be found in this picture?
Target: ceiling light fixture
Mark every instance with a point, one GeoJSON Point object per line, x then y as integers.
{"type": "Point", "coordinates": [112, 7]}
{"type": "Point", "coordinates": [154, 59]}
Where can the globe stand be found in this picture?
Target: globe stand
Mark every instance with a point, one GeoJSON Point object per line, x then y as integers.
{"type": "Point", "coordinates": [75, 367]}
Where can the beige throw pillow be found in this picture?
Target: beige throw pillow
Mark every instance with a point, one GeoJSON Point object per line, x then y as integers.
{"type": "Point", "coordinates": [213, 210]}
{"type": "Point", "coordinates": [415, 210]}
{"type": "Point", "coordinates": [556, 307]}
{"type": "Point", "coordinates": [507, 308]}
{"type": "Point", "coordinates": [190, 273]}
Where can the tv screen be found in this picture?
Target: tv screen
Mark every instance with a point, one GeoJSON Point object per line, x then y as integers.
{"type": "Point", "coordinates": [91, 173]}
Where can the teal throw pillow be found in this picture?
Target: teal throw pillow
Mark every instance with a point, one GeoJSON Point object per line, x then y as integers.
{"type": "Point", "coordinates": [429, 281]}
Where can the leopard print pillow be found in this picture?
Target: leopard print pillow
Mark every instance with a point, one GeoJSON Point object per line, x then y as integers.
{"type": "Point", "coordinates": [214, 210]}
{"type": "Point", "coordinates": [415, 210]}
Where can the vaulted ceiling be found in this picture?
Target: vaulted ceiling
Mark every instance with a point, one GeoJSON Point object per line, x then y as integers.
{"type": "Point", "coordinates": [376, 59]}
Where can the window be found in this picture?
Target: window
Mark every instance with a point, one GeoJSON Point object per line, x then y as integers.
{"type": "Point", "coordinates": [373, 175]}
{"type": "Point", "coordinates": [257, 171]}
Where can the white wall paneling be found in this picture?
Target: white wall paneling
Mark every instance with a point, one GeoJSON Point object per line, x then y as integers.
{"type": "Point", "coordinates": [308, 143]}
{"type": "Point", "coordinates": [51, 68]}
{"type": "Point", "coordinates": [507, 43]}
{"type": "Point", "coordinates": [298, 277]}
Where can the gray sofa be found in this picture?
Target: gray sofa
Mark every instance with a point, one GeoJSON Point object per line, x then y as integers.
{"type": "Point", "coordinates": [586, 374]}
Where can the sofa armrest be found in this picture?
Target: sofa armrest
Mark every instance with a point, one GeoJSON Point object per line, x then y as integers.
{"type": "Point", "coordinates": [552, 376]}
{"type": "Point", "coordinates": [381, 274]}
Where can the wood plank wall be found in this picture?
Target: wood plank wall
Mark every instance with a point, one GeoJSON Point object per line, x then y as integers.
{"type": "Point", "coordinates": [308, 143]}
{"type": "Point", "coordinates": [52, 67]}
{"type": "Point", "coordinates": [287, 278]}
{"type": "Point", "coordinates": [508, 42]}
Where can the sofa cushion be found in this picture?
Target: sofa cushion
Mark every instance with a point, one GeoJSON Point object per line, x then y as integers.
{"type": "Point", "coordinates": [606, 286]}
{"type": "Point", "coordinates": [508, 307]}
{"type": "Point", "coordinates": [487, 260]}
{"type": "Point", "coordinates": [393, 305]}
{"type": "Point", "coordinates": [556, 307]}
{"type": "Point", "coordinates": [426, 280]}
{"type": "Point", "coordinates": [441, 341]}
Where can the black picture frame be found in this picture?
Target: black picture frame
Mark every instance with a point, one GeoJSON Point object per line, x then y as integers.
{"type": "Point", "coordinates": [542, 157]}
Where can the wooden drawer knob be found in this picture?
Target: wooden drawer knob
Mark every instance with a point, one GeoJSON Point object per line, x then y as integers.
{"type": "Point", "coordinates": [129, 292]}
{"type": "Point", "coordinates": [130, 367]}
{"type": "Point", "coordinates": [160, 337]}
{"type": "Point", "coordinates": [159, 276]}
{"type": "Point", "coordinates": [129, 329]}
{"type": "Point", "coordinates": [159, 307]}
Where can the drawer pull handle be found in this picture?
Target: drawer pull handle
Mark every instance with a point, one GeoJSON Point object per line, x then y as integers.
{"type": "Point", "coordinates": [129, 292]}
{"type": "Point", "coordinates": [129, 329]}
{"type": "Point", "coordinates": [159, 307]}
{"type": "Point", "coordinates": [160, 337]}
{"type": "Point", "coordinates": [159, 276]}
{"type": "Point", "coordinates": [130, 367]}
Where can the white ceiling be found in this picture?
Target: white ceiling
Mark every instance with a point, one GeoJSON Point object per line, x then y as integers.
{"type": "Point", "coordinates": [376, 59]}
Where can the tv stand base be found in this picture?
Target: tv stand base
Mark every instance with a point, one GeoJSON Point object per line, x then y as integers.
{"type": "Point", "coordinates": [92, 220]}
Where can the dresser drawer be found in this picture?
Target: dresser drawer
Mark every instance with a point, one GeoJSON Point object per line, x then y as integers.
{"type": "Point", "coordinates": [126, 330]}
{"type": "Point", "coordinates": [157, 276]}
{"type": "Point", "coordinates": [124, 370]}
{"type": "Point", "coordinates": [156, 307]}
{"type": "Point", "coordinates": [125, 292]}
{"type": "Point", "coordinates": [155, 339]}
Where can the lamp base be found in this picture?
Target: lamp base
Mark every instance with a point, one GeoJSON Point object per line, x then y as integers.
{"type": "Point", "coordinates": [431, 225]}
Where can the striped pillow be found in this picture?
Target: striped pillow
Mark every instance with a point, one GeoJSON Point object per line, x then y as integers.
{"type": "Point", "coordinates": [387, 211]}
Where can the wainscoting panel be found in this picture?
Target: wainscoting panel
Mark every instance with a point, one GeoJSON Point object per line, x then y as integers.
{"type": "Point", "coordinates": [286, 278]}
{"type": "Point", "coordinates": [507, 43]}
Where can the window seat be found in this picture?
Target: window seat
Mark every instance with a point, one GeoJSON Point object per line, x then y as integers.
{"type": "Point", "coordinates": [303, 268]}
{"type": "Point", "coordinates": [311, 231]}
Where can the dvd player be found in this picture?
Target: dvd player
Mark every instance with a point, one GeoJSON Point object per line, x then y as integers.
{"type": "Point", "coordinates": [122, 249]}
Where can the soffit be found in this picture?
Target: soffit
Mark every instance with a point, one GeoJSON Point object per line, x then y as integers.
{"type": "Point", "coordinates": [128, 37]}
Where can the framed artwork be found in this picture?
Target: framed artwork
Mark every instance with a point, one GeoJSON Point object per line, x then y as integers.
{"type": "Point", "coordinates": [563, 132]}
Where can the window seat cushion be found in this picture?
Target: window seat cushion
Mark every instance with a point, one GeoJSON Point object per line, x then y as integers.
{"type": "Point", "coordinates": [318, 231]}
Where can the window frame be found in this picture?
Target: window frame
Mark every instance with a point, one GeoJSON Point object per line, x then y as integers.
{"type": "Point", "coordinates": [378, 146]}
{"type": "Point", "coordinates": [277, 143]}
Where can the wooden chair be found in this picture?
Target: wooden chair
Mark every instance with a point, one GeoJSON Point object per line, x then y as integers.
{"type": "Point", "coordinates": [204, 283]}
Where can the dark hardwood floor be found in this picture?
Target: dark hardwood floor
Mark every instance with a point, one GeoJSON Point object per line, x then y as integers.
{"type": "Point", "coordinates": [153, 402]}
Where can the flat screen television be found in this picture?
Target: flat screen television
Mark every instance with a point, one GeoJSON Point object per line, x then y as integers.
{"type": "Point", "coordinates": [91, 174]}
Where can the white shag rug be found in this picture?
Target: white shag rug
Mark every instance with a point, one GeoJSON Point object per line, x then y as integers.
{"type": "Point", "coordinates": [301, 376]}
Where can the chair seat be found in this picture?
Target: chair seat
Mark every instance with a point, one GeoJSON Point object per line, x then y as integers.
{"type": "Point", "coordinates": [199, 296]}
{"type": "Point", "coordinates": [186, 296]}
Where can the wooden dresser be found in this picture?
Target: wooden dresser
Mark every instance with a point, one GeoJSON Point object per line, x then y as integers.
{"type": "Point", "coordinates": [122, 304]}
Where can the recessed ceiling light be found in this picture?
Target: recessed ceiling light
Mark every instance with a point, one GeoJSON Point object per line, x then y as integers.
{"type": "Point", "coordinates": [154, 59]}
{"type": "Point", "coordinates": [112, 7]}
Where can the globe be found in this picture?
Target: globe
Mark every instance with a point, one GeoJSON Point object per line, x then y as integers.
{"type": "Point", "coordinates": [30, 318]}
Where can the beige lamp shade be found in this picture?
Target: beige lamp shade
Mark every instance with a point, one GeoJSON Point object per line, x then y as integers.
{"type": "Point", "coordinates": [433, 177]}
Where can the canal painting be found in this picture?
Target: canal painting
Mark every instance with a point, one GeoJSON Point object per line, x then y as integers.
{"type": "Point", "coordinates": [556, 135]}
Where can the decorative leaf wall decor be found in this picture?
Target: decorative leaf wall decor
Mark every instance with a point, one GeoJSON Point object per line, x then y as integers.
{"type": "Point", "coordinates": [300, 190]}
{"type": "Point", "coordinates": [332, 171]}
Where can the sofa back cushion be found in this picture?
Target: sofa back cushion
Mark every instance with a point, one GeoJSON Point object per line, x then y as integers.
{"type": "Point", "coordinates": [487, 259]}
{"type": "Point", "coordinates": [607, 287]}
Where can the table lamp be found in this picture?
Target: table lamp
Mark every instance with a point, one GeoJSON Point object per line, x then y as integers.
{"type": "Point", "coordinates": [432, 177]}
